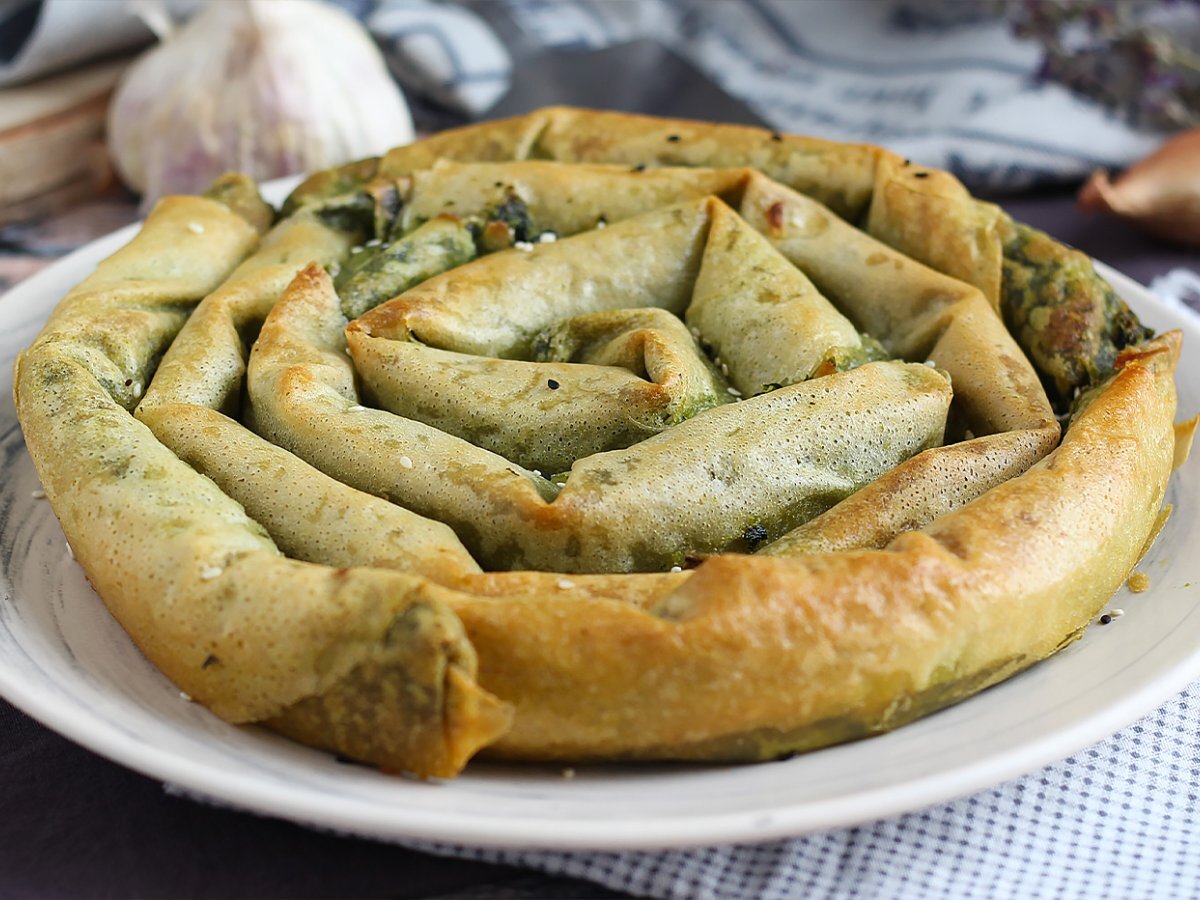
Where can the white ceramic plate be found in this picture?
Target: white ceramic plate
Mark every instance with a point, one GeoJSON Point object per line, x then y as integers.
{"type": "Point", "coordinates": [67, 663]}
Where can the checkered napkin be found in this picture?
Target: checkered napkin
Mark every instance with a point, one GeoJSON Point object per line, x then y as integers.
{"type": "Point", "coordinates": [943, 82]}
{"type": "Point", "coordinates": [1121, 819]}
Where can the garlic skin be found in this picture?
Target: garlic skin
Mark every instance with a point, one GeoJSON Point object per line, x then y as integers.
{"type": "Point", "coordinates": [265, 87]}
{"type": "Point", "coordinates": [1160, 194]}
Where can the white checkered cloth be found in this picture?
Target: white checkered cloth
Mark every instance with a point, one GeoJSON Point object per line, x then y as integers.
{"type": "Point", "coordinates": [1119, 820]}
{"type": "Point", "coordinates": [943, 84]}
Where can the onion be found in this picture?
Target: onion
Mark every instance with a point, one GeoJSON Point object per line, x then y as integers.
{"type": "Point", "coordinates": [1160, 194]}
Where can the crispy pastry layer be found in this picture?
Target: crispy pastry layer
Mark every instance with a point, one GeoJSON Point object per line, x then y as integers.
{"type": "Point", "coordinates": [287, 510]}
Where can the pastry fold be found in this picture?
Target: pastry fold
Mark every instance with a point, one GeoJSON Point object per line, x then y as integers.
{"type": "Point", "coordinates": [757, 467]}
{"type": "Point", "coordinates": [924, 213]}
{"type": "Point", "coordinates": [586, 436]}
{"type": "Point", "coordinates": [755, 657]}
{"type": "Point", "coordinates": [198, 584]}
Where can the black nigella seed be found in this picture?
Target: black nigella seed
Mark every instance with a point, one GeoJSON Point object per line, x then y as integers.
{"type": "Point", "coordinates": [1105, 619]}
{"type": "Point", "coordinates": [210, 660]}
{"type": "Point", "coordinates": [672, 138]}
{"type": "Point", "coordinates": [920, 174]}
{"type": "Point", "coordinates": [552, 384]}
{"type": "Point", "coordinates": [755, 535]}
{"type": "Point", "coordinates": [776, 136]}
{"type": "Point", "coordinates": [128, 382]}
{"type": "Point", "coordinates": [640, 167]}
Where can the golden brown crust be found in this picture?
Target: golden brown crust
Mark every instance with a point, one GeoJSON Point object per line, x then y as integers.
{"type": "Point", "coordinates": [387, 643]}
{"type": "Point", "coordinates": [923, 212]}
{"type": "Point", "coordinates": [929, 215]}
{"type": "Point", "coordinates": [790, 652]}
{"type": "Point", "coordinates": [197, 584]}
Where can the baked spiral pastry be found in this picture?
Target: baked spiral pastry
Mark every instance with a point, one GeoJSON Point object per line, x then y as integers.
{"type": "Point", "coordinates": [586, 436]}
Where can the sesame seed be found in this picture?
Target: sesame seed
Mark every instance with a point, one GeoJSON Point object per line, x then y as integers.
{"type": "Point", "coordinates": [523, 245]}
{"type": "Point", "coordinates": [355, 250]}
{"type": "Point", "coordinates": [208, 573]}
{"type": "Point", "coordinates": [1116, 613]}
{"type": "Point", "coordinates": [602, 222]}
{"type": "Point", "coordinates": [70, 551]}
{"type": "Point", "coordinates": [39, 494]}
{"type": "Point", "coordinates": [547, 237]}
{"type": "Point", "coordinates": [561, 483]}
{"type": "Point", "coordinates": [537, 472]}
{"type": "Point", "coordinates": [374, 242]}
{"type": "Point", "coordinates": [566, 583]}
{"type": "Point", "coordinates": [568, 773]}
{"type": "Point", "coordinates": [356, 408]}
{"type": "Point", "coordinates": [405, 462]}
{"type": "Point", "coordinates": [184, 695]}
{"type": "Point", "coordinates": [734, 391]}
{"type": "Point", "coordinates": [195, 228]}
{"type": "Point", "coordinates": [931, 363]}
{"type": "Point", "coordinates": [334, 269]}
{"type": "Point", "coordinates": [676, 568]}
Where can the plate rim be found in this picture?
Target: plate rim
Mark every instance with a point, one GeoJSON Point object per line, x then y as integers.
{"type": "Point", "coordinates": [243, 791]}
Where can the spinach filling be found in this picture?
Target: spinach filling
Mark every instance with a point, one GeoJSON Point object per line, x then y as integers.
{"type": "Point", "coordinates": [1066, 318]}
{"type": "Point", "coordinates": [383, 270]}
{"type": "Point", "coordinates": [514, 213]}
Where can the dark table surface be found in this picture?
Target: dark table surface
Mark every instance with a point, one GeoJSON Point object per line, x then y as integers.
{"type": "Point", "coordinates": [73, 824]}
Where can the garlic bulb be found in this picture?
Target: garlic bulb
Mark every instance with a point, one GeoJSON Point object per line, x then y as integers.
{"type": "Point", "coordinates": [1161, 193]}
{"type": "Point", "coordinates": [266, 87]}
